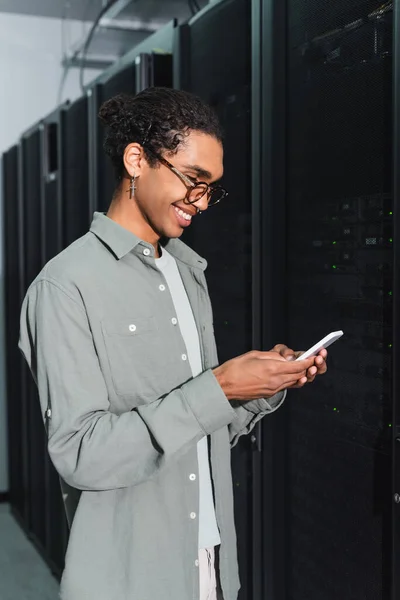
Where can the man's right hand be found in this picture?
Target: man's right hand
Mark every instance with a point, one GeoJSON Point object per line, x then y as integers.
{"type": "Point", "coordinates": [260, 375]}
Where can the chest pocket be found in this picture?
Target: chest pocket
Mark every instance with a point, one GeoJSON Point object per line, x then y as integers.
{"type": "Point", "coordinates": [140, 356]}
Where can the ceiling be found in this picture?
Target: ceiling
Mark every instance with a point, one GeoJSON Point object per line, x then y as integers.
{"type": "Point", "coordinates": [159, 11]}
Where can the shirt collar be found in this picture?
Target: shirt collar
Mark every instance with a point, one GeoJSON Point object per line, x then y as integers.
{"type": "Point", "coordinates": [121, 241]}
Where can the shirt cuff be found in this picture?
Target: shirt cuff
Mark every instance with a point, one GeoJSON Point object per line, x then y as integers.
{"type": "Point", "coordinates": [208, 402]}
{"type": "Point", "coordinates": [266, 405]}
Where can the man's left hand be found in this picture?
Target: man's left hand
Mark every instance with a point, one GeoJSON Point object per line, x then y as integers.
{"type": "Point", "coordinates": [319, 367]}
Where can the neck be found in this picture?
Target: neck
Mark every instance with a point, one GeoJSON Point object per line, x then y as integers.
{"type": "Point", "coordinates": [128, 215]}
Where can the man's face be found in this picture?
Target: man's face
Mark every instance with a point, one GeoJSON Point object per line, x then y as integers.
{"type": "Point", "coordinates": [160, 192]}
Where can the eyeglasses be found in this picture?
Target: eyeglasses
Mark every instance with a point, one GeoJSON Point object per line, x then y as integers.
{"type": "Point", "coordinates": [196, 191]}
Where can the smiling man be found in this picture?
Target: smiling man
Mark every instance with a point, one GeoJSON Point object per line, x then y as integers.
{"type": "Point", "coordinates": [118, 333]}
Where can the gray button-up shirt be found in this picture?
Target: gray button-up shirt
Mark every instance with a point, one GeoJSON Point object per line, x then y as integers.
{"type": "Point", "coordinates": [97, 331]}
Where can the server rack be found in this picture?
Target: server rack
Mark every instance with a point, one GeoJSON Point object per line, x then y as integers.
{"type": "Point", "coordinates": [33, 458]}
{"type": "Point", "coordinates": [153, 69]}
{"type": "Point", "coordinates": [332, 488]}
{"type": "Point", "coordinates": [33, 236]}
{"type": "Point", "coordinates": [15, 408]}
{"type": "Point", "coordinates": [139, 68]}
{"type": "Point", "coordinates": [218, 68]}
{"type": "Point", "coordinates": [52, 202]}
{"type": "Point", "coordinates": [75, 168]}
{"type": "Point", "coordinates": [102, 179]}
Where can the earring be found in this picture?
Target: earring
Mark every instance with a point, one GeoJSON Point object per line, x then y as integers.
{"type": "Point", "coordinates": [132, 187]}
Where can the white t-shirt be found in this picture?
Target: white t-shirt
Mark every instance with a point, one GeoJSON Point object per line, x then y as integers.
{"type": "Point", "coordinates": [208, 528]}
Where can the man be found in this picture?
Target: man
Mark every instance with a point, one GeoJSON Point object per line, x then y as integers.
{"type": "Point", "coordinates": [118, 333]}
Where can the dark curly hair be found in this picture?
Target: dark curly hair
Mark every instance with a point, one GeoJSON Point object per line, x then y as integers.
{"type": "Point", "coordinates": [158, 119]}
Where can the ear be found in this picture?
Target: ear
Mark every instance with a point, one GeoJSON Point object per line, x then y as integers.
{"type": "Point", "coordinates": [134, 159]}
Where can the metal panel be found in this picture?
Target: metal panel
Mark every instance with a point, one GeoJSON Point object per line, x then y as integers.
{"type": "Point", "coordinates": [339, 276]}
{"type": "Point", "coordinates": [102, 180]}
{"type": "Point", "coordinates": [396, 313]}
{"type": "Point", "coordinates": [75, 170]}
{"type": "Point", "coordinates": [12, 304]}
{"type": "Point", "coordinates": [268, 176]}
{"type": "Point", "coordinates": [32, 261]}
{"type": "Point", "coordinates": [153, 70]}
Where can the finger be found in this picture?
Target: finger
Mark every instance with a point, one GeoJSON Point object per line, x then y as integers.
{"type": "Point", "coordinates": [288, 354]}
{"type": "Point", "coordinates": [312, 372]}
{"type": "Point", "coordinates": [323, 353]}
{"type": "Point", "coordinates": [284, 351]}
{"type": "Point", "coordinates": [294, 381]}
{"type": "Point", "coordinates": [321, 365]}
{"type": "Point", "coordinates": [300, 365]}
{"type": "Point", "coordinates": [299, 383]}
{"type": "Point", "coordinates": [271, 355]}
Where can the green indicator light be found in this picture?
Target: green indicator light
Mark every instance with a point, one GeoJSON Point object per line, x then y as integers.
{"type": "Point", "coordinates": [390, 293]}
{"type": "Point", "coordinates": [390, 240]}
{"type": "Point", "coordinates": [390, 424]}
{"type": "Point", "coordinates": [334, 243]}
{"type": "Point", "coordinates": [390, 345]}
{"type": "Point", "coordinates": [334, 409]}
{"type": "Point", "coordinates": [391, 212]}
{"type": "Point", "coordinates": [334, 267]}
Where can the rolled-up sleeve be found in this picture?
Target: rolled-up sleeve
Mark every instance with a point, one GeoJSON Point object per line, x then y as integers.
{"type": "Point", "coordinates": [249, 413]}
{"type": "Point", "coordinates": [91, 447]}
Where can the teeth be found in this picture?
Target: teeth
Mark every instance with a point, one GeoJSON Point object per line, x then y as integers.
{"type": "Point", "coordinates": [183, 214]}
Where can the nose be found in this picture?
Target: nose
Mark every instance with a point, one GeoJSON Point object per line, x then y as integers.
{"type": "Point", "coordinates": [202, 203]}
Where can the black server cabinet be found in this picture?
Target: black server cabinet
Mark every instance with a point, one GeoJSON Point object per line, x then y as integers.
{"type": "Point", "coordinates": [40, 239]}
{"type": "Point", "coordinates": [153, 70]}
{"type": "Point", "coordinates": [52, 229]}
{"type": "Point", "coordinates": [148, 69]}
{"type": "Point", "coordinates": [51, 186]}
{"type": "Point", "coordinates": [75, 170]}
{"type": "Point", "coordinates": [13, 293]}
{"type": "Point", "coordinates": [332, 74]}
{"type": "Point", "coordinates": [217, 67]}
{"type": "Point", "coordinates": [102, 179]}
{"type": "Point", "coordinates": [34, 459]}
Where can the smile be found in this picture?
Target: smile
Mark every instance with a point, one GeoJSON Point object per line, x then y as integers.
{"type": "Point", "coordinates": [184, 215]}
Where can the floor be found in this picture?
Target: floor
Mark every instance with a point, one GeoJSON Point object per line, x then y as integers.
{"type": "Point", "coordinates": [23, 573]}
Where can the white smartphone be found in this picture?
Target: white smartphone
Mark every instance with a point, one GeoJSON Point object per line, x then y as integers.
{"type": "Point", "coordinates": [324, 343]}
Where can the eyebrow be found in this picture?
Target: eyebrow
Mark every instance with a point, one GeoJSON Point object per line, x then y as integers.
{"type": "Point", "coordinates": [199, 170]}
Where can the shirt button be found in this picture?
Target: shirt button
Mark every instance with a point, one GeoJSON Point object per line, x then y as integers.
{"type": "Point", "coordinates": [192, 515]}
{"type": "Point", "coordinates": [162, 287]}
{"type": "Point", "coordinates": [132, 328]}
{"type": "Point", "coordinates": [192, 477]}
{"type": "Point", "coordinates": [196, 562]}
{"type": "Point", "coordinates": [174, 321]}
{"type": "Point", "coordinates": [146, 252]}
{"type": "Point", "coordinates": [184, 357]}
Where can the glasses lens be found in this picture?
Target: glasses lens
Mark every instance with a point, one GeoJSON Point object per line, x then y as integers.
{"type": "Point", "coordinates": [216, 196]}
{"type": "Point", "coordinates": [197, 192]}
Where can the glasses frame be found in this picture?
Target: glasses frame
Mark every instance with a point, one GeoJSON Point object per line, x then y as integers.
{"type": "Point", "coordinates": [190, 185]}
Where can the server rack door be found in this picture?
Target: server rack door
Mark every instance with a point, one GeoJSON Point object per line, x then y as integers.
{"type": "Point", "coordinates": [75, 170]}
{"type": "Point", "coordinates": [12, 308]}
{"type": "Point", "coordinates": [339, 276]}
{"type": "Point", "coordinates": [153, 70]}
{"type": "Point", "coordinates": [396, 314]}
{"type": "Point", "coordinates": [103, 182]}
{"type": "Point", "coordinates": [52, 243]}
{"type": "Point", "coordinates": [220, 71]}
{"type": "Point", "coordinates": [32, 262]}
